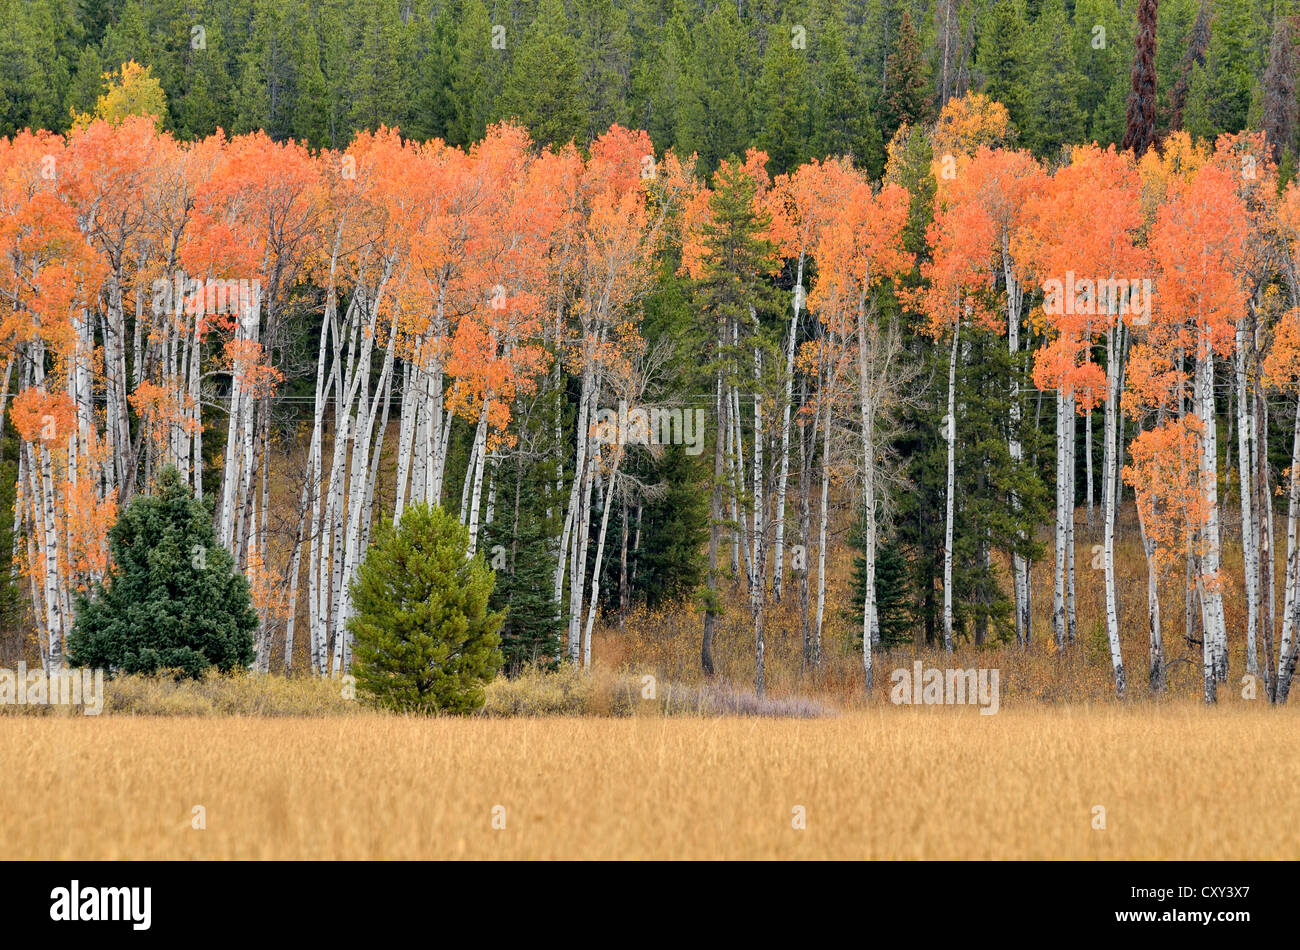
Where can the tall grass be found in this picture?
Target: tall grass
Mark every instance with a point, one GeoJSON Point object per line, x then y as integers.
{"type": "Point", "coordinates": [1175, 781]}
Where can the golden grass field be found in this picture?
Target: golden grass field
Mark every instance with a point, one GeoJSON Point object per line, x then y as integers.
{"type": "Point", "coordinates": [1176, 780]}
{"type": "Point", "coordinates": [584, 767]}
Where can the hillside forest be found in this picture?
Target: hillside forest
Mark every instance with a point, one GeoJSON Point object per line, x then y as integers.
{"type": "Point", "coordinates": [858, 324]}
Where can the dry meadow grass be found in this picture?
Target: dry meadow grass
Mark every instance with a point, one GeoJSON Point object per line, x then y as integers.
{"type": "Point", "coordinates": [1176, 780]}
{"type": "Point", "coordinates": [585, 767]}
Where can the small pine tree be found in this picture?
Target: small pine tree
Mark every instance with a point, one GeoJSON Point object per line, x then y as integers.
{"type": "Point", "coordinates": [173, 599]}
{"type": "Point", "coordinates": [894, 593]}
{"type": "Point", "coordinates": [522, 551]}
{"type": "Point", "coordinates": [424, 639]}
{"type": "Point", "coordinates": [675, 529]}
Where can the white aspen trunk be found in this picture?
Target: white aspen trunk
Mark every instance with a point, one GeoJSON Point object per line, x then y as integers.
{"type": "Point", "coordinates": [1263, 505]}
{"type": "Point", "coordinates": [580, 463]}
{"type": "Point", "coordinates": [316, 580]}
{"type": "Point", "coordinates": [757, 578]}
{"type": "Point", "coordinates": [1249, 528]}
{"type": "Point", "coordinates": [1087, 452]}
{"type": "Point", "coordinates": [1058, 590]}
{"type": "Point", "coordinates": [440, 431]}
{"type": "Point", "coordinates": [1109, 455]}
{"type": "Point", "coordinates": [336, 507]}
{"type": "Point", "coordinates": [731, 485]}
{"type": "Point", "coordinates": [421, 437]}
{"type": "Point", "coordinates": [1072, 419]}
{"type": "Point", "coordinates": [1215, 634]}
{"type": "Point", "coordinates": [867, 409]}
{"type": "Point", "coordinates": [477, 490]}
{"type": "Point", "coordinates": [807, 448]}
{"type": "Point", "coordinates": [738, 484]}
{"type": "Point", "coordinates": [578, 564]}
{"type": "Point", "coordinates": [821, 533]}
{"type": "Point", "coordinates": [257, 531]}
{"type": "Point", "coordinates": [778, 567]}
{"type": "Point", "coordinates": [44, 504]}
{"type": "Point", "coordinates": [492, 490]}
{"type": "Point", "coordinates": [580, 498]}
{"type": "Point", "coordinates": [294, 567]}
{"type": "Point", "coordinates": [367, 516]}
{"type": "Point", "coordinates": [471, 465]}
{"type": "Point", "coordinates": [827, 376]}
{"type": "Point", "coordinates": [365, 458]}
{"type": "Point", "coordinates": [49, 548]}
{"type": "Point", "coordinates": [114, 461]}
{"type": "Point", "coordinates": [600, 558]}
{"type": "Point", "coordinates": [950, 436]}
{"type": "Point", "coordinates": [1019, 565]}
{"type": "Point", "coordinates": [1156, 650]}
{"type": "Point", "coordinates": [233, 466]}
{"type": "Point", "coordinates": [116, 387]}
{"type": "Point", "coordinates": [1287, 650]}
{"type": "Point", "coordinates": [344, 445]}
{"type": "Point", "coordinates": [196, 408]}
{"type": "Point", "coordinates": [438, 421]}
{"type": "Point", "coordinates": [406, 434]}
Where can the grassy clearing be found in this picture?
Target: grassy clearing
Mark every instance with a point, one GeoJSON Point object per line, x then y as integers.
{"type": "Point", "coordinates": [567, 692]}
{"type": "Point", "coordinates": [1177, 781]}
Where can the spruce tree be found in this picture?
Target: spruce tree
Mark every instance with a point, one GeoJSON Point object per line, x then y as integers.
{"type": "Point", "coordinates": [531, 633]}
{"type": "Point", "coordinates": [378, 97]}
{"type": "Point", "coordinates": [87, 84]}
{"type": "Point", "coordinates": [1102, 44]}
{"type": "Point", "coordinates": [895, 594]}
{"type": "Point", "coordinates": [659, 74]}
{"type": "Point", "coordinates": [477, 69]}
{"type": "Point", "coordinates": [674, 528]}
{"type": "Point", "coordinates": [907, 96]}
{"type": "Point", "coordinates": [604, 58]}
{"type": "Point", "coordinates": [733, 287]}
{"type": "Point", "coordinates": [427, 67]}
{"type": "Point", "coordinates": [1232, 63]}
{"type": "Point", "coordinates": [519, 545]}
{"type": "Point", "coordinates": [842, 122]}
{"type": "Point", "coordinates": [716, 119]}
{"type": "Point", "coordinates": [1055, 118]}
{"type": "Point", "coordinates": [311, 112]}
{"type": "Point", "coordinates": [543, 88]}
{"type": "Point", "coordinates": [1000, 57]}
{"type": "Point", "coordinates": [783, 93]}
{"type": "Point", "coordinates": [172, 599]}
{"type": "Point", "coordinates": [424, 637]}
{"type": "Point", "coordinates": [202, 103]}
{"type": "Point", "coordinates": [128, 39]}
{"type": "Point", "coordinates": [1190, 40]}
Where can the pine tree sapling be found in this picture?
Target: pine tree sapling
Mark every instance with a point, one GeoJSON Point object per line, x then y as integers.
{"type": "Point", "coordinates": [424, 639]}
{"type": "Point", "coordinates": [173, 599]}
{"type": "Point", "coordinates": [895, 592]}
